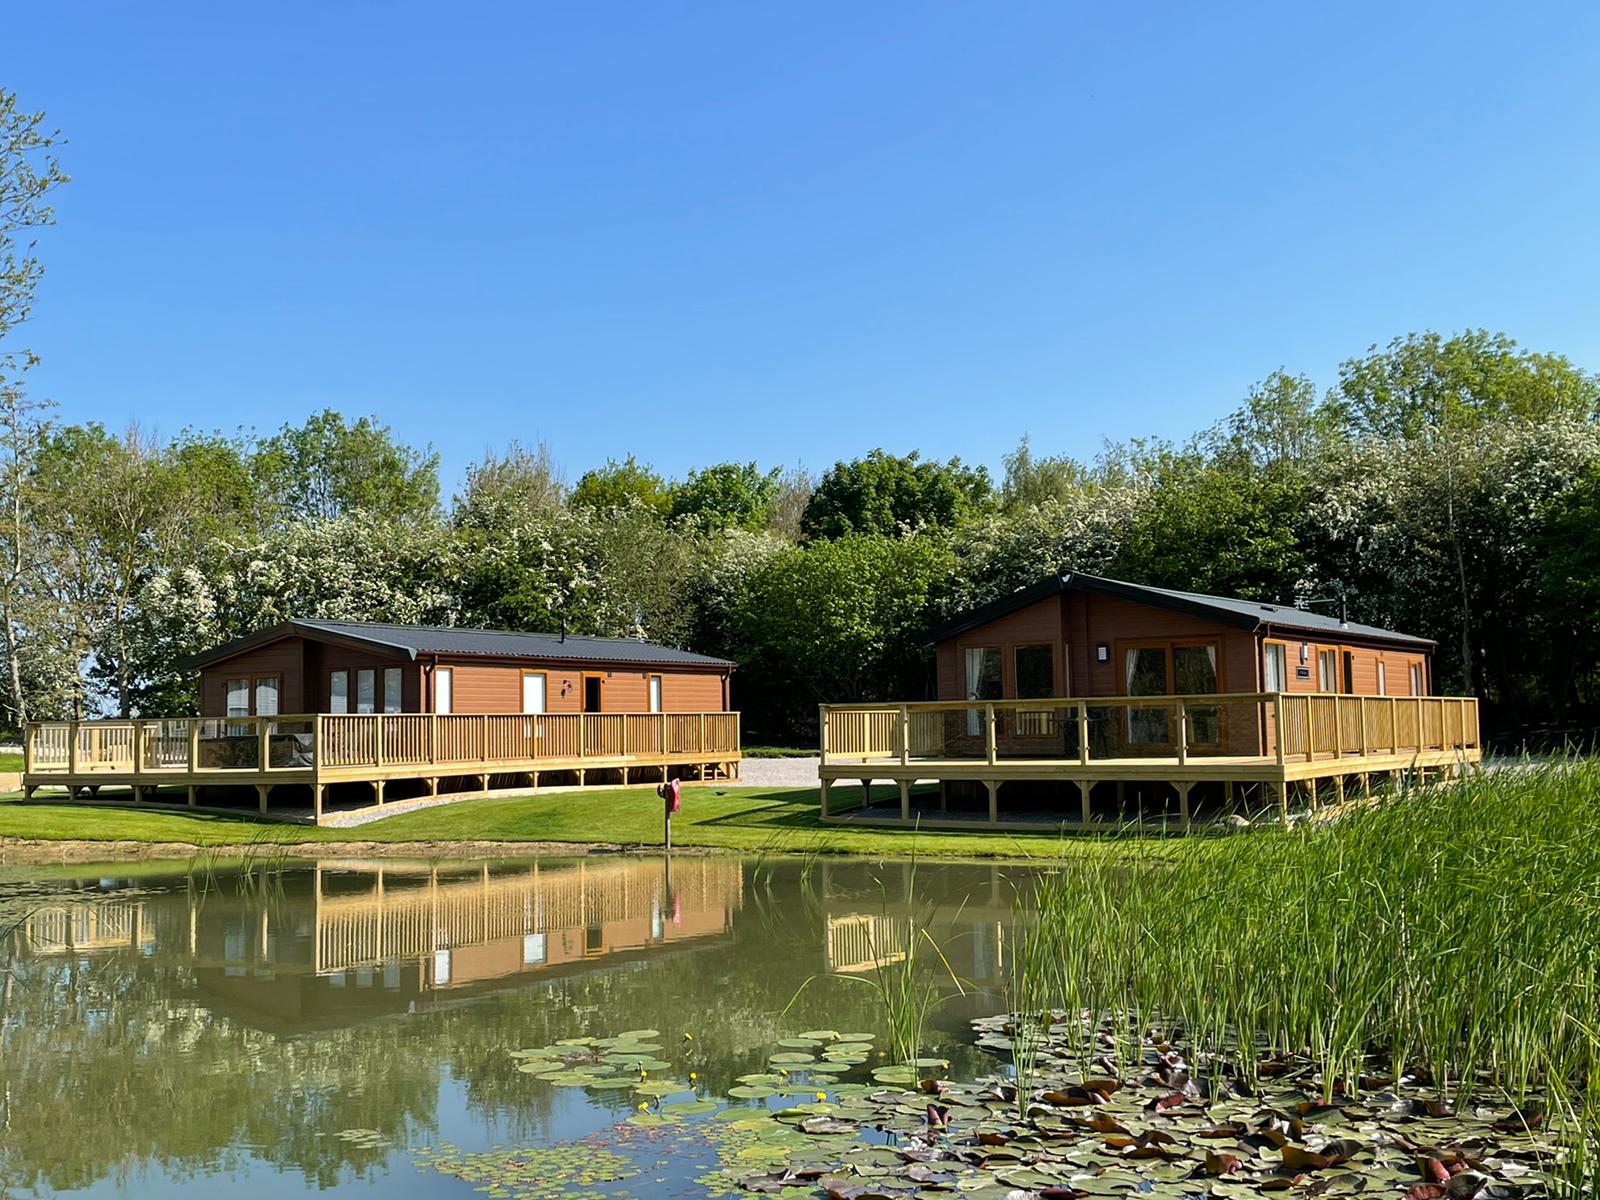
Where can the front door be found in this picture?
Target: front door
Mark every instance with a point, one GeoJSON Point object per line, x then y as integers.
{"type": "Point", "coordinates": [593, 693]}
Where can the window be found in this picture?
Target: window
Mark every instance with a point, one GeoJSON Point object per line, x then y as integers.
{"type": "Point", "coordinates": [983, 682]}
{"type": "Point", "coordinates": [594, 692]}
{"type": "Point", "coordinates": [366, 687]}
{"type": "Point", "coordinates": [1383, 683]}
{"type": "Point", "coordinates": [1194, 672]}
{"type": "Point", "coordinates": [391, 690]}
{"type": "Point", "coordinates": [1145, 674]}
{"type": "Point", "coordinates": [338, 691]}
{"type": "Point", "coordinates": [1327, 671]}
{"type": "Point", "coordinates": [238, 698]}
{"type": "Point", "coordinates": [1036, 671]}
{"type": "Point", "coordinates": [443, 689]}
{"type": "Point", "coordinates": [533, 949]}
{"type": "Point", "coordinates": [534, 686]}
{"type": "Point", "coordinates": [1416, 679]}
{"type": "Point", "coordinates": [1277, 672]}
{"type": "Point", "coordinates": [655, 693]}
{"type": "Point", "coordinates": [1349, 673]}
{"type": "Point", "coordinates": [267, 696]}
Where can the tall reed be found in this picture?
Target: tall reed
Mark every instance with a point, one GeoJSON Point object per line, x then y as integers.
{"type": "Point", "coordinates": [1453, 928]}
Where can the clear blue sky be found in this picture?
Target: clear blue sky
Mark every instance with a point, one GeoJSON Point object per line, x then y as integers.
{"type": "Point", "coordinates": [792, 232]}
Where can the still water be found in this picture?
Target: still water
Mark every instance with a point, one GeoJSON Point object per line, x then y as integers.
{"type": "Point", "coordinates": [314, 1026]}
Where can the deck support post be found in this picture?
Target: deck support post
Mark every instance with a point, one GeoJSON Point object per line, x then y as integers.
{"type": "Point", "coordinates": [433, 785]}
{"type": "Point", "coordinates": [1311, 793]}
{"type": "Point", "coordinates": [138, 791]}
{"type": "Point", "coordinates": [944, 796]}
{"type": "Point", "coordinates": [866, 794]}
{"type": "Point", "coordinates": [905, 799]}
{"type": "Point", "coordinates": [624, 776]}
{"type": "Point", "coordinates": [261, 790]}
{"type": "Point", "coordinates": [377, 791]}
{"type": "Point", "coordinates": [1227, 794]}
{"type": "Point", "coordinates": [1366, 783]}
{"type": "Point", "coordinates": [1122, 798]}
{"type": "Point", "coordinates": [1085, 786]}
{"type": "Point", "coordinates": [483, 781]}
{"type": "Point", "coordinates": [1282, 789]}
{"type": "Point", "coordinates": [1183, 800]}
{"type": "Point", "coordinates": [994, 800]}
{"type": "Point", "coordinates": [824, 785]}
{"type": "Point", "coordinates": [1338, 788]}
{"type": "Point", "coordinates": [316, 802]}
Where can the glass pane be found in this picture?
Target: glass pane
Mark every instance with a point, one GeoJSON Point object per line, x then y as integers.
{"type": "Point", "coordinates": [442, 699]}
{"type": "Point", "coordinates": [1146, 671]}
{"type": "Point", "coordinates": [1035, 672]}
{"type": "Point", "coordinates": [339, 691]}
{"type": "Point", "coordinates": [1194, 669]}
{"type": "Point", "coordinates": [533, 693]}
{"type": "Point", "coordinates": [391, 689]}
{"type": "Point", "coordinates": [366, 684]}
{"type": "Point", "coordinates": [983, 683]}
{"type": "Point", "coordinates": [267, 696]}
{"type": "Point", "coordinates": [1383, 688]}
{"type": "Point", "coordinates": [1277, 670]}
{"type": "Point", "coordinates": [655, 693]}
{"type": "Point", "coordinates": [238, 698]}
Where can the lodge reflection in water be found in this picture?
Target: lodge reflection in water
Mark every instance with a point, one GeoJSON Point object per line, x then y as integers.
{"type": "Point", "coordinates": [338, 942]}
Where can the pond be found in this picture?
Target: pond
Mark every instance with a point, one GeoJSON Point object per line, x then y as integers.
{"type": "Point", "coordinates": [314, 1025]}
{"type": "Point", "coordinates": [610, 1026]}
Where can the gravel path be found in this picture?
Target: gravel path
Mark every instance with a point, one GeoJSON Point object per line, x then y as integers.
{"type": "Point", "coordinates": [779, 772]}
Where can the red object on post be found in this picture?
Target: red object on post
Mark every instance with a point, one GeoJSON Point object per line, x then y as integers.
{"type": "Point", "coordinates": [669, 792]}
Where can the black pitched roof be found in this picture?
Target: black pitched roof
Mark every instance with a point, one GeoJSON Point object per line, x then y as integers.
{"type": "Point", "coordinates": [1244, 614]}
{"type": "Point", "coordinates": [414, 640]}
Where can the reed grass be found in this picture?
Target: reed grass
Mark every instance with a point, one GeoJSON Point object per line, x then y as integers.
{"type": "Point", "coordinates": [1454, 928]}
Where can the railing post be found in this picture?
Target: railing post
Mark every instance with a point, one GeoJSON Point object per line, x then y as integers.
{"type": "Point", "coordinates": [905, 736]}
{"type": "Point", "coordinates": [1394, 726]}
{"type": "Point", "coordinates": [663, 735]}
{"type": "Point", "coordinates": [72, 747]}
{"type": "Point", "coordinates": [1422, 732]}
{"type": "Point", "coordinates": [378, 746]}
{"type": "Point", "coordinates": [1311, 742]}
{"type": "Point", "coordinates": [433, 739]}
{"type": "Point", "coordinates": [28, 736]}
{"type": "Point", "coordinates": [1183, 733]}
{"type": "Point", "coordinates": [1338, 728]}
{"type": "Point", "coordinates": [822, 733]}
{"type": "Point", "coordinates": [624, 736]}
{"type": "Point", "coordinates": [1083, 733]}
{"type": "Point", "coordinates": [988, 734]}
{"type": "Point", "coordinates": [1278, 724]}
{"type": "Point", "coordinates": [263, 754]}
{"type": "Point", "coordinates": [483, 739]}
{"type": "Point", "coordinates": [583, 736]}
{"type": "Point", "coordinates": [700, 746]}
{"type": "Point", "coordinates": [1363, 703]}
{"type": "Point", "coordinates": [194, 743]}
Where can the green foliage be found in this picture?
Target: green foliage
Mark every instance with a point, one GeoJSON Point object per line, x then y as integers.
{"type": "Point", "coordinates": [1568, 585]}
{"type": "Point", "coordinates": [727, 496]}
{"type": "Point", "coordinates": [841, 621]}
{"type": "Point", "coordinates": [894, 495]}
{"type": "Point", "coordinates": [1031, 480]}
{"type": "Point", "coordinates": [325, 469]}
{"type": "Point", "coordinates": [622, 485]}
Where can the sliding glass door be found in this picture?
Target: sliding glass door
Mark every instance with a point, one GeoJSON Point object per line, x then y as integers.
{"type": "Point", "coordinates": [983, 683]}
{"type": "Point", "coordinates": [1175, 668]}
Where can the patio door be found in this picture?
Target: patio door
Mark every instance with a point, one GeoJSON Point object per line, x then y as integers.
{"type": "Point", "coordinates": [1145, 673]}
{"type": "Point", "coordinates": [983, 683]}
{"type": "Point", "coordinates": [1177, 668]}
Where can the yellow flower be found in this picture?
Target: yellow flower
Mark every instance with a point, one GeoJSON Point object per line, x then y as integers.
{"type": "Point", "coordinates": [822, 1095]}
{"type": "Point", "coordinates": [688, 1037]}
{"type": "Point", "coordinates": [693, 1077]}
{"type": "Point", "coordinates": [644, 1108]}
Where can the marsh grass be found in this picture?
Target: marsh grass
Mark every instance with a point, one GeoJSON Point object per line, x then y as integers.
{"type": "Point", "coordinates": [1453, 930]}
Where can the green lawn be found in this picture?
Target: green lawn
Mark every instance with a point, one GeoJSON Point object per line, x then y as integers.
{"type": "Point", "coordinates": [771, 820]}
{"type": "Point", "coordinates": [10, 762]}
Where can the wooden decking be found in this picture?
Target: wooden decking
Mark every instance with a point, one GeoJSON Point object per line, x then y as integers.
{"type": "Point", "coordinates": [318, 751]}
{"type": "Point", "coordinates": [1228, 745]}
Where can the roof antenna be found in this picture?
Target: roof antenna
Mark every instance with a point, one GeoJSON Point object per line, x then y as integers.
{"type": "Point", "coordinates": [1344, 621]}
{"type": "Point", "coordinates": [563, 627]}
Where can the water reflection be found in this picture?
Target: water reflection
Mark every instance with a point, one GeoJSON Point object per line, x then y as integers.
{"type": "Point", "coordinates": [190, 1024]}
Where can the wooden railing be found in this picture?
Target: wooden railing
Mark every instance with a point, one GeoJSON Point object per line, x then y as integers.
{"type": "Point", "coordinates": [309, 743]}
{"type": "Point", "coordinates": [1269, 725]}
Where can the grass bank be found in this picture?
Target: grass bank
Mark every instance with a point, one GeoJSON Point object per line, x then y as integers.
{"type": "Point", "coordinates": [764, 820]}
{"type": "Point", "coordinates": [1451, 931]}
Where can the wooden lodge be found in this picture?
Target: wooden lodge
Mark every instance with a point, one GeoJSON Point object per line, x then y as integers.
{"type": "Point", "coordinates": [1064, 700]}
{"type": "Point", "coordinates": [309, 706]}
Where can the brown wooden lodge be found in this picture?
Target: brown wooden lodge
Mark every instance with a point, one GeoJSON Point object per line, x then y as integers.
{"type": "Point", "coordinates": [1066, 700]}
{"type": "Point", "coordinates": [309, 710]}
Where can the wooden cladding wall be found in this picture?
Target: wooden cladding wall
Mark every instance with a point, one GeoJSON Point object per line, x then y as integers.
{"type": "Point", "coordinates": [497, 688]}
{"type": "Point", "coordinates": [1076, 623]}
{"type": "Point", "coordinates": [285, 658]}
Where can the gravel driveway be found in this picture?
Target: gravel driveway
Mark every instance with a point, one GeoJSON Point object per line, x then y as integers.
{"type": "Point", "coordinates": [779, 772]}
